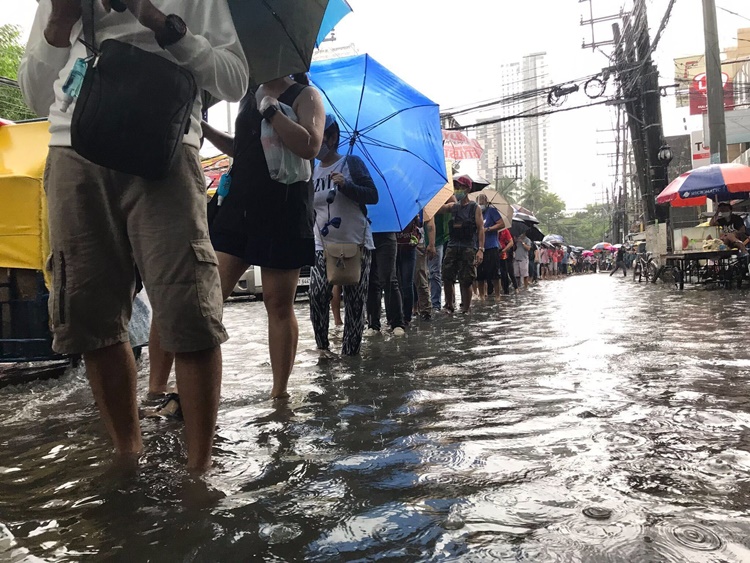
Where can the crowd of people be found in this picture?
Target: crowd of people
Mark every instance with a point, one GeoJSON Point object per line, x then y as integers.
{"type": "Point", "coordinates": [110, 228]}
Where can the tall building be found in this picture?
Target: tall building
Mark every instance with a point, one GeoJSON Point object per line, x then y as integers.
{"type": "Point", "coordinates": [516, 148]}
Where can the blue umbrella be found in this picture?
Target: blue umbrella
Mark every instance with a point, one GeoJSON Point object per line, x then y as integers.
{"type": "Point", "coordinates": [393, 128]}
{"type": "Point", "coordinates": [335, 12]}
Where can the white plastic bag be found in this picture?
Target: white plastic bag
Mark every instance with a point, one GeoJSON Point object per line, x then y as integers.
{"type": "Point", "coordinates": [285, 166]}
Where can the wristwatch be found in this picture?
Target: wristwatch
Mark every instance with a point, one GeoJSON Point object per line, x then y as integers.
{"type": "Point", "coordinates": [481, 248]}
{"type": "Point", "coordinates": [270, 112]}
{"type": "Point", "coordinates": [174, 30]}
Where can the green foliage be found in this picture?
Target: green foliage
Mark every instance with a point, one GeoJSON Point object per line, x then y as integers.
{"type": "Point", "coordinates": [12, 105]}
{"type": "Point", "coordinates": [533, 190]}
{"type": "Point", "coordinates": [507, 188]}
{"type": "Point", "coordinates": [585, 228]}
{"type": "Point", "coordinates": [549, 210]}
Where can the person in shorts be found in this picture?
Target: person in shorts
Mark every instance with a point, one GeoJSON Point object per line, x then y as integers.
{"type": "Point", "coordinates": [732, 228]}
{"type": "Point", "coordinates": [488, 272]}
{"type": "Point", "coordinates": [465, 249]}
{"type": "Point", "coordinates": [521, 260]}
{"type": "Point", "coordinates": [103, 223]}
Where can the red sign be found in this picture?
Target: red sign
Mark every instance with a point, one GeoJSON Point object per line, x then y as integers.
{"type": "Point", "coordinates": [699, 94]}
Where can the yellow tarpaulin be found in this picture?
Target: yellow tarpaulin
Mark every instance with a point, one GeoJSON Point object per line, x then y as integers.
{"type": "Point", "coordinates": [24, 237]}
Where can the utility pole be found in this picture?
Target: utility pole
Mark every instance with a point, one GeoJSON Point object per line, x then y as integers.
{"type": "Point", "coordinates": [716, 123]}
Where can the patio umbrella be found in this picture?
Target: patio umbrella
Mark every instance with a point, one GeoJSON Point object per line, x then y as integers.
{"type": "Point", "coordinates": [393, 128]}
{"type": "Point", "coordinates": [279, 36]}
{"type": "Point", "coordinates": [458, 146]}
{"type": "Point", "coordinates": [720, 182]}
{"type": "Point", "coordinates": [496, 200]}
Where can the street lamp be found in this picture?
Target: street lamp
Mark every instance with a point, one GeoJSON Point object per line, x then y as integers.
{"type": "Point", "coordinates": [665, 155]}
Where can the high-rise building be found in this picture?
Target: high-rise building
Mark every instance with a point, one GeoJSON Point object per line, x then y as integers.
{"type": "Point", "coordinates": [516, 148]}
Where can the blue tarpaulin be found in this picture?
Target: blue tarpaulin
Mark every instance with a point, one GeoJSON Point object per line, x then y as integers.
{"type": "Point", "coordinates": [394, 128]}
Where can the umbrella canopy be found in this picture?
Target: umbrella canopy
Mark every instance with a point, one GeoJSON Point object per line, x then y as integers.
{"type": "Point", "coordinates": [523, 214]}
{"type": "Point", "coordinates": [519, 227]}
{"type": "Point", "coordinates": [554, 239]}
{"type": "Point", "coordinates": [496, 200]}
{"type": "Point", "coordinates": [431, 209]}
{"type": "Point", "coordinates": [458, 146]}
{"type": "Point", "coordinates": [335, 12]}
{"type": "Point", "coordinates": [601, 247]}
{"type": "Point", "coordinates": [720, 182]}
{"type": "Point", "coordinates": [477, 183]}
{"type": "Point", "coordinates": [587, 253]}
{"type": "Point", "coordinates": [279, 36]}
{"type": "Point", "coordinates": [394, 128]}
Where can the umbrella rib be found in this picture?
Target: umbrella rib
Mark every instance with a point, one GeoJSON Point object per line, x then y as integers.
{"type": "Point", "coordinates": [283, 27]}
{"type": "Point", "coordinates": [368, 156]}
{"type": "Point", "coordinates": [355, 132]}
{"type": "Point", "coordinates": [394, 114]}
{"type": "Point", "coordinates": [383, 145]}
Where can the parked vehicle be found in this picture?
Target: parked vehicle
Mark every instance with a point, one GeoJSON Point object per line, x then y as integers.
{"type": "Point", "coordinates": [251, 283]}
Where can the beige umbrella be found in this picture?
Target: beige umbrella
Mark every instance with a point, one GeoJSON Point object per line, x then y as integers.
{"type": "Point", "coordinates": [442, 196]}
{"type": "Point", "coordinates": [498, 201]}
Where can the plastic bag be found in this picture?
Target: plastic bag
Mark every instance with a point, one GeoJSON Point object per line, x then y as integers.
{"type": "Point", "coordinates": [284, 166]}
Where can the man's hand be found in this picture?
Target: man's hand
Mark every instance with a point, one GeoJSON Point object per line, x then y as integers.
{"type": "Point", "coordinates": [144, 11]}
{"type": "Point", "coordinates": [480, 257]}
{"type": "Point", "coordinates": [431, 251]}
{"type": "Point", "coordinates": [65, 14]}
{"type": "Point", "coordinates": [338, 179]}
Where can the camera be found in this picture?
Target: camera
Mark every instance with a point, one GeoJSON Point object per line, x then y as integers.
{"type": "Point", "coordinates": [331, 195]}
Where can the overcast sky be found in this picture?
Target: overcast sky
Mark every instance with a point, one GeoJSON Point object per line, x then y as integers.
{"type": "Point", "coordinates": [451, 51]}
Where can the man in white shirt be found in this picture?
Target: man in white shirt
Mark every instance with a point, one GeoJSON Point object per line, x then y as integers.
{"type": "Point", "coordinates": [103, 222]}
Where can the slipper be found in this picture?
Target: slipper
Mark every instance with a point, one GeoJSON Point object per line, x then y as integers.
{"type": "Point", "coordinates": [169, 408]}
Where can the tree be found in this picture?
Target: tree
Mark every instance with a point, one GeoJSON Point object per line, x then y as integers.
{"type": "Point", "coordinates": [507, 187]}
{"type": "Point", "coordinates": [532, 192]}
{"type": "Point", "coordinates": [12, 105]}
{"type": "Point", "coordinates": [585, 228]}
{"type": "Point", "coordinates": [549, 210]}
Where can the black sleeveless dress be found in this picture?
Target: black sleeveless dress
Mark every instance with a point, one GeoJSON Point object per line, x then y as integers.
{"type": "Point", "coordinates": [261, 221]}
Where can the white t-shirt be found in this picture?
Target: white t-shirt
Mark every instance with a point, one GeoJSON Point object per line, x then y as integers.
{"type": "Point", "coordinates": [354, 228]}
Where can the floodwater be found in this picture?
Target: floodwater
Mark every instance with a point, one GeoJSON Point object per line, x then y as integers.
{"type": "Point", "coordinates": [590, 419]}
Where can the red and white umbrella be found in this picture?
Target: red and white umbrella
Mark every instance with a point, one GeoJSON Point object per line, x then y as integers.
{"type": "Point", "coordinates": [458, 146]}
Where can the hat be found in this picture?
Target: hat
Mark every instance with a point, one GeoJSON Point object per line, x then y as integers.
{"type": "Point", "coordinates": [330, 120]}
{"type": "Point", "coordinates": [464, 181]}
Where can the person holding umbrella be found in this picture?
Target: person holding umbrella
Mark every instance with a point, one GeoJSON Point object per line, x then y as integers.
{"type": "Point", "coordinates": [465, 245]}
{"type": "Point", "coordinates": [343, 186]}
{"type": "Point", "coordinates": [488, 271]}
{"type": "Point", "coordinates": [620, 262]}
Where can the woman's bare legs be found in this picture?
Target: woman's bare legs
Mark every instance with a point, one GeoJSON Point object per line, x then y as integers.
{"type": "Point", "coordinates": [336, 306]}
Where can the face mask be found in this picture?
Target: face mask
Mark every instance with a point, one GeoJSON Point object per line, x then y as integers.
{"type": "Point", "coordinates": [483, 208]}
{"type": "Point", "coordinates": [325, 150]}
{"type": "Point", "coordinates": [460, 195]}
{"type": "Point", "coordinates": [725, 214]}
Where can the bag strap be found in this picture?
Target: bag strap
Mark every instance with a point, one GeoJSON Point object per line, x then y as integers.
{"type": "Point", "coordinates": [87, 18]}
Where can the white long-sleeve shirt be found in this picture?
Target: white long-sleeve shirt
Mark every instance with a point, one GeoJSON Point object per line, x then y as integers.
{"type": "Point", "coordinates": [210, 50]}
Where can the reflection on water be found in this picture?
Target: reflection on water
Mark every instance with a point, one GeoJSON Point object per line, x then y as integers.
{"type": "Point", "coordinates": [591, 419]}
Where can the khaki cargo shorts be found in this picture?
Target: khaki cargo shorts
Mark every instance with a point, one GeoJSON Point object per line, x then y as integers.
{"type": "Point", "coordinates": [102, 224]}
{"type": "Point", "coordinates": [460, 263]}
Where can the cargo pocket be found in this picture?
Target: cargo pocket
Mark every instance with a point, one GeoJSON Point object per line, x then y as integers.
{"type": "Point", "coordinates": [207, 283]}
{"type": "Point", "coordinates": [55, 266]}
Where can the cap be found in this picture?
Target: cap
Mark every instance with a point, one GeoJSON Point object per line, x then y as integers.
{"type": "Point", "coordinates": [330, 120]}
{"type": "Point", "coordinates": [464, 181]}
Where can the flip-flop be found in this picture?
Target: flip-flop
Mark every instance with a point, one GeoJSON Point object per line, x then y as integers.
{"type": "Point", "coordinates": [168, 408]}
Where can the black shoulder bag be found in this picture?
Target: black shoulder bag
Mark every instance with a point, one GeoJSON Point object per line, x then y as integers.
{"type": "Point", "coordinates": [134, 107]}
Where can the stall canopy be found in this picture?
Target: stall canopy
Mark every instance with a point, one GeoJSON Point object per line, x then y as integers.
{"type": "Point", "coordinates": [24, 238]}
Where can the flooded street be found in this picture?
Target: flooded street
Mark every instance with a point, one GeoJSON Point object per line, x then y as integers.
{"type": "Point", "coordinates": [589, 419]}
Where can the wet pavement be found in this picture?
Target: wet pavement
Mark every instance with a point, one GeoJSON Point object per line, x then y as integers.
{"type": "Point", "coordinates": [589, 419]}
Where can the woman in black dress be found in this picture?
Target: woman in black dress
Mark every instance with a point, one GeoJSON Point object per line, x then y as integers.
{"type": "Point", "coordinates": [262, 222]}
